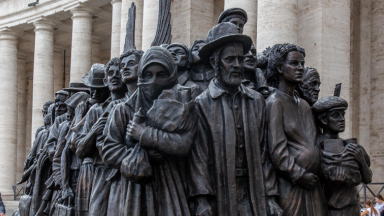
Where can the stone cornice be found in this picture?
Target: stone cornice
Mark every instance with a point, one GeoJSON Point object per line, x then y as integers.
{"type": "Point", "coordinates": [9, 34]}
{"type": "Point", "coordinates": [44, 23]}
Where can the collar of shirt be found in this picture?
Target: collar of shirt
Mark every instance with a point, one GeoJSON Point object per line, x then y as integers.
{"type": "Point", "coordinates": [183, 78]}
{"type": "Point", "coordinates": [216, 91]}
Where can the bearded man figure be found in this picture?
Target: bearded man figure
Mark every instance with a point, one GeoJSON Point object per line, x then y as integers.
{"type": "Point", "coordinates": [310, 87]}
{"type": "Point", "coordinates": [226, 162]}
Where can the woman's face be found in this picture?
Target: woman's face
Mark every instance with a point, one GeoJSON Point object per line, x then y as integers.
{"type": "Point", "coordinates": [378, 200]}
{"type": "Point", "coordinates": [293, 68]}
{"type": "Point", "coordinates": [154, 80]}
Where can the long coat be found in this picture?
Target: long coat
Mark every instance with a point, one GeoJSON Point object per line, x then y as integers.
{"type": "Point", "coordinates": [164, 194]}
{"type": "Point", "coordinates": [212, 165]}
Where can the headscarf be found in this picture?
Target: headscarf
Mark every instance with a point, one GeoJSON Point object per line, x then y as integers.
{"type": "Point", "coordinates": [148, 90]}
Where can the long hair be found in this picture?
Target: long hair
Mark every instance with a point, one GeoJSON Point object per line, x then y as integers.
{"type": "Point", "coordinates": [373, 210]}
{"type": "Point", "coordinates": [380, 197]}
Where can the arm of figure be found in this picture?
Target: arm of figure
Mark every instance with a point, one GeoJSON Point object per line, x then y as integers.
{"type": "Point", "coordinates": [65, 172]}
{"type": "Point", "coordinates": [278, 150]}
{"type": "Point", "coordinates": [114, 149]}
{"type": "Point", "coordinates": [56, 163]}
{"type": "Point", "coordinates": [359, 153]}
{"type": "Point", "coordinates": [364, 213]}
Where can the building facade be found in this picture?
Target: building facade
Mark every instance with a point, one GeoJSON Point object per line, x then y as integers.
{"type": "Point", "coordinates": [46, 46]}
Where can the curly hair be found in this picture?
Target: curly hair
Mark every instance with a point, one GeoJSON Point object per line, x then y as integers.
{"type": "Point", "coordinates": [137, 53]}
{"type": "Point", "coordinates": [114, 61]}
{"type": "Point", "coordinates": [277, 58]}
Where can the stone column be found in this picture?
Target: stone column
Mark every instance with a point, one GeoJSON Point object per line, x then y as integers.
{"type": "Point", "coordinates": [21, 115]}
{"type": "Point", "coordinates": [116, 26]}
{"type": "Point", "coordinates": [96, 50]}
{"type": "Point", "coordinates": [8, 107]}
{"type": "Point", "coordinates": [42, 70]}
{"type": "Point", "coordinates": [250, 7]}
{"type": "Point", "coordinates": [58, 69]}
{"type": "Point", "coordinates": [81, 42]}
{"type": "Point", "coordinates": [126, 4]}
{"type": "Point", "coordinates": [150, 17]}
{"type": "Point", "coordinates": [28, 140]}
{"type": "Point", "coordinates": [277, 22]}
{"type": "Point", "coordinates": [377, 91]}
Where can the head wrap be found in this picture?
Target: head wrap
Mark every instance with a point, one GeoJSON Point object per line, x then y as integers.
{"type": "Point", "coordinates": [76, 99]}
{"type": "Point", "coordinates": [148, 90]}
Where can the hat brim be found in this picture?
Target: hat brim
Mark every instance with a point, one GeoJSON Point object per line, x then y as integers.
{"type": "Point", "coordinates": [75, 89]}
{"type": "Point", "coordinates": [86, 82]}
{"type": "Point", "coordinates": [206, 51]}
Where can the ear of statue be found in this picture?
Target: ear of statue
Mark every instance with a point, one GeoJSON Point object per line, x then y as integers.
{"type": "Point", "coordinates": [323, 119]}
{"type": "Point", "coordinates": [280, 70]}
{"type": "Point", "coordinates": [105, 81]}
{"type": "Point", "coordinates": [212, 61]}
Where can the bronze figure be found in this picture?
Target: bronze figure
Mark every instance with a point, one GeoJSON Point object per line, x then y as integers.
{"type": "Point", "coordinates": [292, 136]}
{"type": "Point", "coordinates": [345, 163]}
{"type": "Point", "coordinates": [310, 87]}
{"type": "Point", "coordinates": [236, 16]}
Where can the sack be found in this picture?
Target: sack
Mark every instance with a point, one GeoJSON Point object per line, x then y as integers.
{"type": "Point", "coordinates": [24, 205]}
{"type": "Point", "coordinates": [62, 210]}
{"type": "Point", "coordinates": [136, 166]}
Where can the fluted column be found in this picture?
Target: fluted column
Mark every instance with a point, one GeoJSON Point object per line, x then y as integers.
{"type": "Point", "coordinates": [150, 17]}
{"type": "Point", "coordinates": [116, 27]}
{"type": "Point", "coordinates": [277, 22]}
{"type": "Point", "coordinates": [42, 70]}
{"type": "Point", "coordinates": [8, 107]}
{"type": "Point", "coordinates": [21, 114]}
{"type": "Point", "coordinates": [58, 70]}
{"type": "Point", "coordinates": [250, 7]}
{"type": "Point", "coordinates": [125, 5]}
{"type": "Point", "coordinates": [81, 42]}
{"type": "Point", "coordinates": [96, 50]}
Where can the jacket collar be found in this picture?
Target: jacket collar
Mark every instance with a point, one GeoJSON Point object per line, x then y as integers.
{"type": "Point", "coordinates": [216, 91]}
{"type": "Point", "coordinates": [183, 78]}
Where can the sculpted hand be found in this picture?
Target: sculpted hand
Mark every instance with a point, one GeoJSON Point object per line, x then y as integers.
{"type": "Point", "coordinates": [155, 155]}
{"type": "Point", "coordinates": [135, 130]}
{"type": "Point", "coordinates": [356, 151]}
{"type": "Point", "coordinates": [67, 195]}
{"type": "Point", "coordinates": [273, 208]}
{"type": "Point", "coordinates": [308, 181]}
{"type": "Point", "coordinates": [203, 207]}
{"type": "Point", "coordinates": [99, 126]}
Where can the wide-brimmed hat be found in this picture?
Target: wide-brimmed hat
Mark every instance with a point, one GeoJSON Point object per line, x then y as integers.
{"type": "Point", "coordinates": [222, 34]}
{"type": "Point", "coordinates": [95, 77]}
{"type": "Point", "coordinates": [76, 86]}
{"type": "Point", "coordinates": [233, 11]}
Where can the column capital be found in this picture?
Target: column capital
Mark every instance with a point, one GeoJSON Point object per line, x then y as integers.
{"type": "Point", "coordinates": [115, 1]}
{"type": "Point", "coordinates": [8, 34]}
{"type": "Point", "coordinates": [44, 23]}
{"type": "Point", "coordinates": [79, 9]}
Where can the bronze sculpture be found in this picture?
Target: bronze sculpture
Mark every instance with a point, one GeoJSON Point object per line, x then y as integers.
{"type": "Point", "coordinates": [345, 164]}
{"type": "Point", "coordinates": [201, 72]}
{"type": "Point", "coordinates": [45, 112]}
{"type": "Point", "coordinates": [229, 162]}
{"type": "Point", "coordinates": [236, 16]}
{"type": "Point", "coordinates": [292, 136]}
{"type": "Point", "coordinates": [148, 148]}
{"type": "Point", "coordinates": [128, 69]}
{"type": "Point", "coordinates": [310, 87]}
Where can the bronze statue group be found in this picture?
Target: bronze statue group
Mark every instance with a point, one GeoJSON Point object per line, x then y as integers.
{"type": "Point", "coordinates": [213, 129]}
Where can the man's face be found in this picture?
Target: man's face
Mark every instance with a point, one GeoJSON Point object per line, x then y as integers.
{"type": "Point", "coordinates": [128, 69]}
{"type": "Point", "coordinates": [99, 95]}
{"type": "Point", "coordinates": [60, 106]}
{"type": "Point", "coordinates": [179, 56]}
{"type": "Point", "coordinates": [231, 64]}
{"type": "Point", "coordinates": [113, 79]}
{"type": "Point", "coordinates": [70, 113]}
{"type": "Point", "coordinates": [293, 67]}
{"type": "Point", "coordinates": [335, 121]}
{"type": "Point", "coordinates": [45, 110]}
{"type": "Point", "coordinates": [195, 52]}
{"type": "Point", "coordinates": [239, 23]}
{"type": "Point", "coordinates": [311, 87]}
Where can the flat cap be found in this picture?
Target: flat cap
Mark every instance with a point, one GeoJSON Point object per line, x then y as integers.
{"type": "Point", "coordinates": [328, 103]}
{"type": "Point", "coordinates": [233, 11]}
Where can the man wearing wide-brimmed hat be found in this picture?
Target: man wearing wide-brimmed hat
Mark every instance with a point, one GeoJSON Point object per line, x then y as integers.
{"type": "Point", "coordinates": [227, 160]}
{"type": "Point", "coordinates": [75, 87]}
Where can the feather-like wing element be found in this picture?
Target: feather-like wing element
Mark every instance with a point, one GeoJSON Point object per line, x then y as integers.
{"type": "Point", "coordinates": [164, 28]}
{"type": "Point", "coordinates": [130, 31]}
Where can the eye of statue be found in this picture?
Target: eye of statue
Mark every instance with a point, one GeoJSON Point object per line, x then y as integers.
{"type": "Point", "coordinates": [148, 75]}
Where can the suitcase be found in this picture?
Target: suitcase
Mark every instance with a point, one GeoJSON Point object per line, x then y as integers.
{"type": "Point", "coordinates": [24, 205]}
{"type": "Point", "coordinates": [62, 210]}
